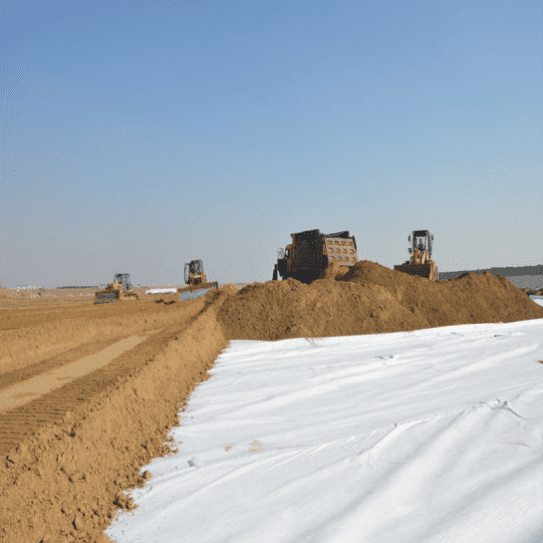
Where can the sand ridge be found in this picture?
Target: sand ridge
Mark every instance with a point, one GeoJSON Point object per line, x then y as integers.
{"type": "Point", "coordinates": [370, 299]}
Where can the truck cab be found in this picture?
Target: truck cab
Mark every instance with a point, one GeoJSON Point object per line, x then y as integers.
{"type": "Point", "coordinates": [194, 273]}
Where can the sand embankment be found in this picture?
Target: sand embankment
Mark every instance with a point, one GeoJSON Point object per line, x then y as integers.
{"type": "Point", "coordinates": [64, 482]}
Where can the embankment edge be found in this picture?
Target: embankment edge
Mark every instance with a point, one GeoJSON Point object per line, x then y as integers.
{"type": "Point", "coordinates": [66, 481]}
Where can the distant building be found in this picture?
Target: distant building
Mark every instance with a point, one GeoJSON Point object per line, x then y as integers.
{"type": "Point", "coordinates": [20, 287]}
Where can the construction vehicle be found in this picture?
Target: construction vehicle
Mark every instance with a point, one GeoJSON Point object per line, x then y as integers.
{"type": "Point", "coordinates": [195, 277]}
{"type": "Point", "coordinates": [119, 290]}
{"type": "Point", "coordinates": [421, 253]}
{"type": "Point", "coordinates": [310, 252]}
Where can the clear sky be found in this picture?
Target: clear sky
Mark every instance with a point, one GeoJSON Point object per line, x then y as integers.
{"type": "Point", "coordinates": [141, 135]}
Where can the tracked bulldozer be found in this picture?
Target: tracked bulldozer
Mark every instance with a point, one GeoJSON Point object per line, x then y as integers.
{"type": "Point", "coordinates": [310, 252]}
{"type": "Point", "coordinates": [421, 253]}
{"type": "Point", "coordinates": [119, 290]}
{"type": "Point", "coordinates": [195, 277]}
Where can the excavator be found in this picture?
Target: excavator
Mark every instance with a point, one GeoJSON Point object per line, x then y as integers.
{"type": "Point", "coordinates": [421, 253]}
{"type": "Point", "coordinates": [195, 277]}
{"type": "Point", "coordinates": [119, 290]}
{"type": "Point", "coordinates": [311, 251]}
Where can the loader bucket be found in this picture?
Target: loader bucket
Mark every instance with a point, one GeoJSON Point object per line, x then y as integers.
{"type": "Point", "coordinates": [189, 293]}
{"type": "Point", "coordinates": [428, 271]}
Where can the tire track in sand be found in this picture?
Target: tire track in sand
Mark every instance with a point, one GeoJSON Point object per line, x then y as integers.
{"type": "Point", "coordinates": [31, 389]}
{"type": "Point", "coordinates": [79, 381]}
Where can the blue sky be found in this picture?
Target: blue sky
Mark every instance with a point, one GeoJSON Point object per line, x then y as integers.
{"type": "Point", "coordinates": [142, 135]}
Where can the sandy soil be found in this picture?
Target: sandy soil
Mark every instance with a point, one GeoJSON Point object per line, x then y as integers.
{"type": "Point", "coordinates": [30, 389]}
{"type": "Point", "coordinates": [73, 392]}
{"type": "Point", "coordinates": [370, 299]}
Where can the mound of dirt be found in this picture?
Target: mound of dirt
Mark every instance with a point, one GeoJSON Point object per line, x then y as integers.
{"type": "Point", "coordinates": [333, 271]}
{"type": "Point", "coordinates": [368, 299]}
{"type": "Point", "coordinates": [288, 309]}
{"type": "Point", "coordinates": [469, 299]}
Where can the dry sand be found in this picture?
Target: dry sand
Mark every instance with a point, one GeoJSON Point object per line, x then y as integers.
{"type": "Point", "coordinates": [370, 299]}
{"type": "Point", "coordinates": [68, 452]}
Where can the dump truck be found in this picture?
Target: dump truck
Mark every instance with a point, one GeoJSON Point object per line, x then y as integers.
{"type": "Point", "coordinates": [311, 251]}
{"type": "Point", "coordinates": [195, 277]}
{"type": "Point", "coordinates": [119, 290]}
{"type": "Point", "coordinates": [421, 253]}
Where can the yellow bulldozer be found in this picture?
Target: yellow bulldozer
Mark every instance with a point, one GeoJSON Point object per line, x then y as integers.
{"type": "Point", "coordinates": [119, 290]}
{"type": "Point", "coordinates": [421, 253]}
{"type": "Point", "coordinates": [195, 277]}
{"type": "Point", "coordinates": [310, 252]}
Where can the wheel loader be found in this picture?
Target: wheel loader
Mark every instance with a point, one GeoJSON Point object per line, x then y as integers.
{"type": "Point", "coordinates": [195, 277]}
{"type": "Point", "coordinates": [421, 253]}
{"type": "Point", "coordinates": [119, 290]}
{"type": "Point", "coordinates": [310, 252]}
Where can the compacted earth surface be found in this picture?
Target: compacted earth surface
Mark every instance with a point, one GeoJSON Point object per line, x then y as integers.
{"type": "Point", "coordinates": [89, 392]}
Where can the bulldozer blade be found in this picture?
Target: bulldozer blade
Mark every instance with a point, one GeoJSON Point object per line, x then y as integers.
{"type": "Point", "coordinates": [189, 293]}
{"type": "Point", "coordinates": [105, 297]}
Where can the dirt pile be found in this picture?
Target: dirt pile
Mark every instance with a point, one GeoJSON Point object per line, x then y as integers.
{"type": "Point", "coordinates": [289, 309]}
{"type": "Point", "coordinates": [333, 271]}
{"type": "Point", "coordinates": [370, 299]}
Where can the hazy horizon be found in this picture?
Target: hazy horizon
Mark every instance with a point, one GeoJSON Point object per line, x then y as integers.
{"type": "Point", "coordinates": [140, 136]}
